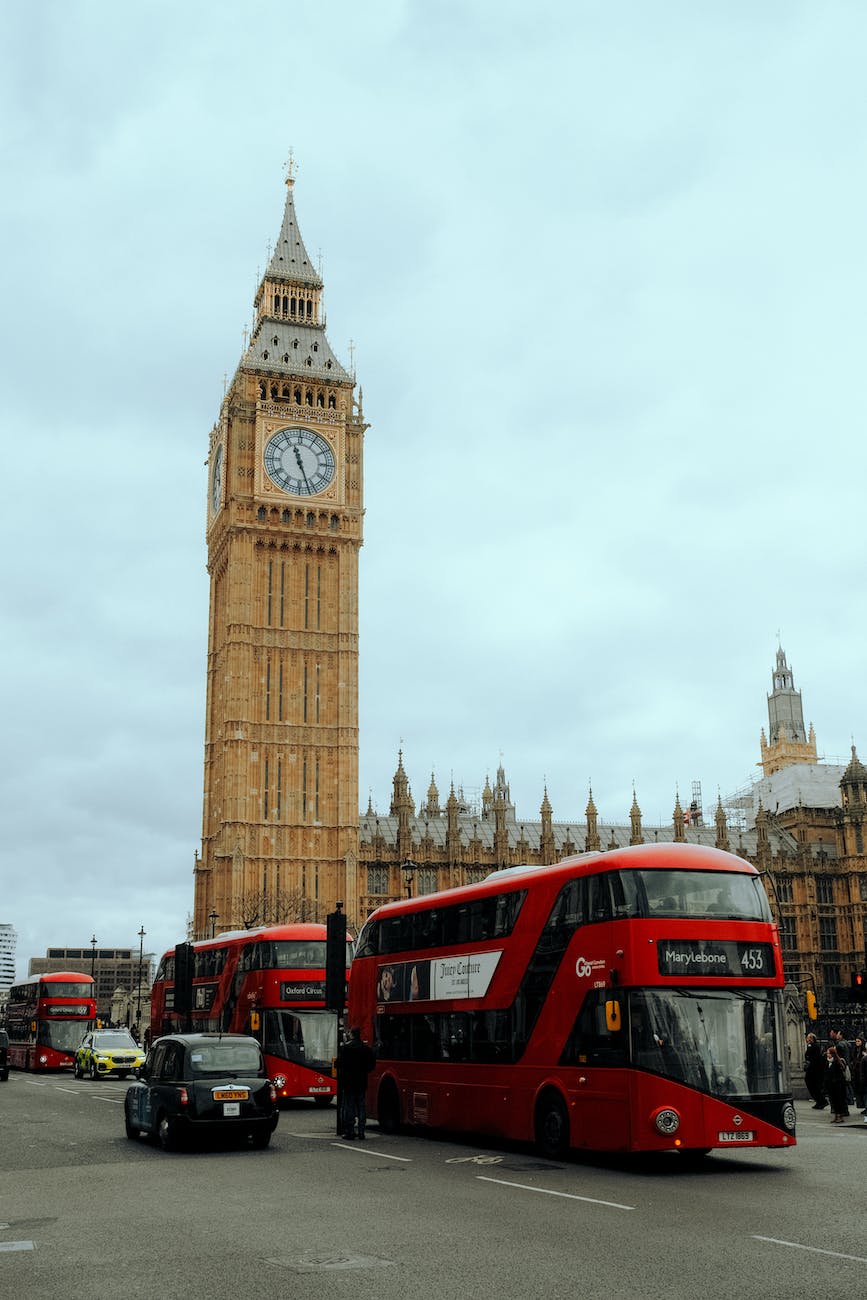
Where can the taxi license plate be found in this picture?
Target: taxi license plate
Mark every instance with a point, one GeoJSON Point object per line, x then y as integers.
{"type": "Point", "coordinates": [325, 1089]}
{"type": "Point", "coordinates": [230, 1094]}
{"type": "Point", "coordinates": [231, 1108]}
{"type": "Point", "coordinates": [741, 1135]}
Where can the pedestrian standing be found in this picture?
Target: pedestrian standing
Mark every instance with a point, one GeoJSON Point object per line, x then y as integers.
{"type": "Point", "coordinates": [355, 1060]}
{"type": "Point", "coordinates": [836, 1084]}
{"type": "Point", "coordinates": [814, 1072]}
{"type": "Point", "coordinates": [859, 1073]}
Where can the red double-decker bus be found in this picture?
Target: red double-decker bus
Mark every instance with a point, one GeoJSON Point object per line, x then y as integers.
{"type": "Point", "coordinates": [270, 983]}
{"type": "Point", "coordinates": [625, 1001]}
{"type": "Point", "coordinates": [46, 1018]}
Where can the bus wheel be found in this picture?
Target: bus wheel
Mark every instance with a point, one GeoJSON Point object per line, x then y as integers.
{"type": "Point", "coordinates": [552, 1126]}
{"type": "Point", "coordinates": [323, 1101]}
{"type": "Point", "coordinates": [388, 1107]}
{"type": "Point", "coordinates": [167, 1133]}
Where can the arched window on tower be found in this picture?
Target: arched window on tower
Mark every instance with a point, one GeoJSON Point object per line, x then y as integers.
{"type": "Point", "coordinates": [331, 402]}
{"type": "Point", "coordinates": [292, 306]}
{"type": "Point", "coordinates": [320, 398]}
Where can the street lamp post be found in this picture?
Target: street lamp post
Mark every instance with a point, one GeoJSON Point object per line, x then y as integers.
{"type": "Point", "coordinates": [141, 934]}
{"type": "Point", "coordinates": [93, 967]}
{"type": "Point", "coordinates": [409, 869]}
{"type": "Point", "coordinates": [212, 917]}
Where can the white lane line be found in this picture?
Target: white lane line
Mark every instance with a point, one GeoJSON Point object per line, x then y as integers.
{"type": "Point", "coordinates": [364, 1150]}
{"type": "Point", "coordinates": [76, 1092]}
{"type": "Point", "coordinates": [17, 1245]}
{"type": "Point", "coordinates": [524, 1187]}
{"type": "Point", "coordinates": [814, 1250]}
{"type": "Point", "coordinates": [115, 1101]}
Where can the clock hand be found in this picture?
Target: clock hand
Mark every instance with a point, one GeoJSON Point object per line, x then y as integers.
{"type": "Point", "coordinates": [303, 472]}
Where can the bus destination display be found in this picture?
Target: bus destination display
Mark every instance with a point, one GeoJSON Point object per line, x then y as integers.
{"type": "Point", "coordinates": [720, 958]}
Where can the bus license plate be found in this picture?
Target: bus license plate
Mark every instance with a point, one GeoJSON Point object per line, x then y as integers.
{"type": "Point", "coordinates": [742, 1135]}
{"type": "Point", "coordinates": [230, 1094]}
{"type": "Point", "coordinates": [325, 1089]}
{"type": "Point", "coordinates": [231, 1108]}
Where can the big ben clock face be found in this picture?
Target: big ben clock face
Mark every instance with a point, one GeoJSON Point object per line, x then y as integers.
{"type": "Point", "coordinates": [217, 479]}
{"type": "Point", "coordinates": [299, 461]}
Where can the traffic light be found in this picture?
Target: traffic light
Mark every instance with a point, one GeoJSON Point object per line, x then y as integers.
{"type": "Point", "coordinates": [812, 1013]}
{"type": "Point", "coordinates": [859, 985]}
{"type": "Point", "coordinates": [335, 960]}
{"type": "Point", "coordinates": [183, 1004]}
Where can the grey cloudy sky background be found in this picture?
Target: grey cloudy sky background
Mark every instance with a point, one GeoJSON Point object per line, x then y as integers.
{"type": "Point", "coordinates": [603, 267]}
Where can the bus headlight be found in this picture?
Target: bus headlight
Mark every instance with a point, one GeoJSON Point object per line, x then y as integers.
{"type": "Point", "coordinates": [789, 1117]}
{"type": "Point", "coordinates": [666, 1121]}
{"type": "Point", "coordinates": [279, 1081]}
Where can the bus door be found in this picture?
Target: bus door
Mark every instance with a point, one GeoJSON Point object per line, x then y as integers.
{"type": "Point", "coordinates": [597, 1048]}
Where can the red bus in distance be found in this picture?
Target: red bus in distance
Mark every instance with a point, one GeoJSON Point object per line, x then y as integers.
{"type": "Point", "coordinates": [621, 1001]}
{"type": "Point", "coordinates": [46, 1018]}
{"type": "Point", "coordinates": [269, 983]}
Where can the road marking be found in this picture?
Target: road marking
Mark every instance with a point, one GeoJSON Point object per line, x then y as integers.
{"type": "Point", "coordinates": [546, 1191]}
{"type": "Point", "coordinates": [814, 1250]}
{"type": "Point", "coordinates": [115, 1101]}
{"type": "Point", "coordinates": [364, 1150]}
{"type": "Point", "coordinates": [17, 1245]}
{"type": "Point", "coordinates": [76, 1092]}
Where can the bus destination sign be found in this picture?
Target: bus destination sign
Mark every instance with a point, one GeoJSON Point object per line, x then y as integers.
{"type": "Point", "coordinates": [301, 990]}
{"type": "Point", "coordinates": [718, 958]}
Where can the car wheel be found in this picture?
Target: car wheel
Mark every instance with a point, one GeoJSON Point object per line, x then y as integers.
{"type": "Point", "coordinates": [260, 1140]}
{"type": "Point", "coordinates": [552, 1126]}
{"type": "Point", "coordinates": [94, 1073]}
{"type": "Point", "coordinates": [133, 1132]}
{"type": "Point", "coordinates": [76, 1069]}
{"type": "Point", "coordinates": [167, 1132]}
{"type": "Point", "coordinates": [388, 1107]}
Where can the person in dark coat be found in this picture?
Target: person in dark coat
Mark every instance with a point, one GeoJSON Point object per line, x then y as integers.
{"type": "Point", "coordinates": [815, 1066]}
{"type": "Point", "coordinates": [355, 1060]}
{"type": "Point", "coordinates": [836, 1085]}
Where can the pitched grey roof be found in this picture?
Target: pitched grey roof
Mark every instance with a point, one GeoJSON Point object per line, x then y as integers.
{"type": "Point", "coordinates": [290, 259]}
{"type": "Point", "coordinates": [289, 348]}
{"type": "Point", "coordinates": [741, 842]}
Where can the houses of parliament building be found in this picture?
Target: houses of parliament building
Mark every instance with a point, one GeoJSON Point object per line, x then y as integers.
{"type": "Point", "coordinates": [282, 835]}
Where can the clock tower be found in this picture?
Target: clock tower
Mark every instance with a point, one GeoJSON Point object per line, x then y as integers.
{"type": "Point", "coordinates": [284, 528]}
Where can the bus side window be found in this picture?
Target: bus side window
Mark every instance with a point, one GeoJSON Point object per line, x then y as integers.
{"type": "Point", "coordinates": [599, 899]}
{"type": "Point", "coordinates": [591, 1042]}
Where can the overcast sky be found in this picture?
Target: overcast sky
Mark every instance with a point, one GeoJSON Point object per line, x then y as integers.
{"type": "Point", "coordinates": [603, 268]}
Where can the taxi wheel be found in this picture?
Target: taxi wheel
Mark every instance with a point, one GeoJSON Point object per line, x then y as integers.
{"type": "Point", "coordinates": [132, 1131]}
{"type": "Point", "coordinates": [260, 1140]}
{"type": "Point", "coordinates": [94, 1073]}
{"type": "Point", "coordinates": [167, 1133]}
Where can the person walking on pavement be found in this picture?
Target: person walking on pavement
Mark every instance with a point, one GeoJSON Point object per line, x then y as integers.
{"type": "Point", "coordinates": [355, 1060]}
{"type": "Point", "coordinates": [814, 1072]}
{"type": "Point", "coordinates": [836, 1084]}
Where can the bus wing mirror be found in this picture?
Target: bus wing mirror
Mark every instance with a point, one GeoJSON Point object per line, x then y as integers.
{"type": "Point", "coordinates": [612, 1016]}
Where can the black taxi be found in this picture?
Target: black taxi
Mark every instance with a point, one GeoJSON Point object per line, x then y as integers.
{"type": "Point", "coordinates": [202, 1084]}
